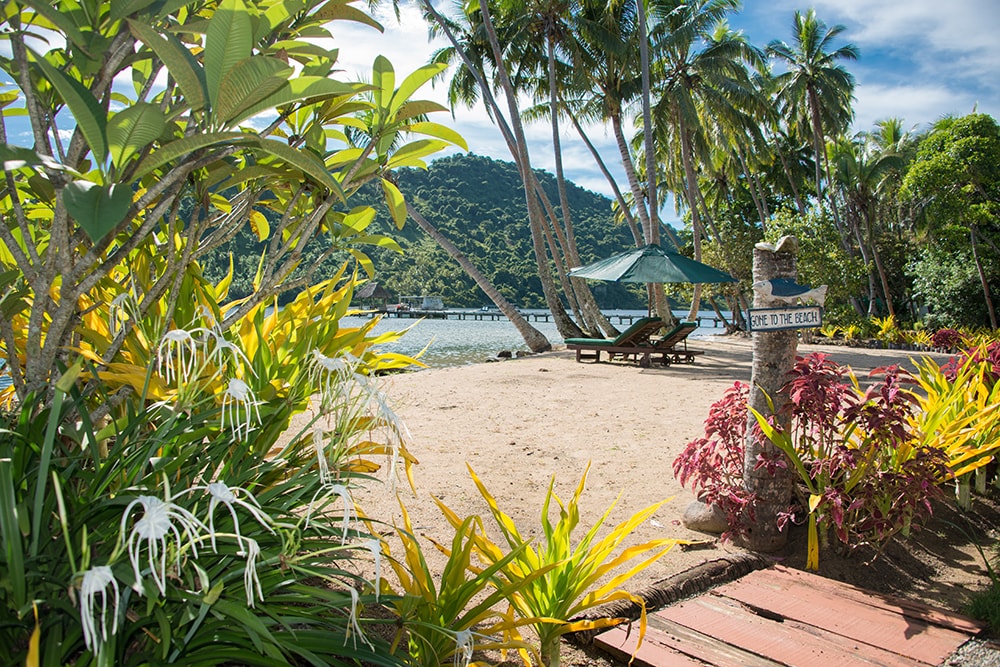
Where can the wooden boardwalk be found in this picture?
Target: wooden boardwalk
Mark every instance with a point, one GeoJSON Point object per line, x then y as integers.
{"type": "Point", "coordinates": [779, 616]}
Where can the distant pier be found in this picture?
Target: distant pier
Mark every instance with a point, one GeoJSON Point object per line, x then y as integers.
{"type": "Point", "coordinates": [495, 315]}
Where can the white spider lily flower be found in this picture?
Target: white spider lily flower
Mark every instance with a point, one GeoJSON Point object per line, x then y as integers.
{"type": "Point", "coordinates": [238, 394]}
{"type": "Point", "coordinates": [345, 496]}
{"type": "Point", "coordinates": [319, 443]}
{"type": "Point", "coordinates": [464, 645]}
{"type": "Point", "coordinates": [161, 520]}
{"type": "Point", "coordinates": [97, 582]}
{"type": "Point", "coordinates": [220, 493]}
{"type": "Point", "coordinates": [394, 429]}
{"type": "Point", "coordinates": [355, 630]}
{"type": "Point", "coordinates": [118, 312]}
{"type": "Point", "coordinates": [328, 373]}
{"type": "Point", "coordinates": [176, 356]}
{"type": "Point", "coordinates": [374, 545]}
{"type": "Point", "coordinates": [250, 549]}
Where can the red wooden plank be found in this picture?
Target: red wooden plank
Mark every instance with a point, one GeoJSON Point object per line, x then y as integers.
{"type": "Point", "coordinates": [653, 653]}
{"type": "Point", "coordinates": [668, 641]}
{"type": "Point", "coordinates": [789, 598]}
{"type": "Point", "coordinates": [910, 608]}
{"type": "Point", "coordinates": [786, 643]}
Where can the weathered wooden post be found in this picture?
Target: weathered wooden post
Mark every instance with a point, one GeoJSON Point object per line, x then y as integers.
{"type": "Point", "coordinates": [773, 357]}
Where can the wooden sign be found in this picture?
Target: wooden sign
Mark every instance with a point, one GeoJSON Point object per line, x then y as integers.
{"type": "Point", "coordinates": [779, 319]}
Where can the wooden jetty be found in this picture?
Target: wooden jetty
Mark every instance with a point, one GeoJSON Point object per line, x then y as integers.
{"type": "Point", "coordinates": [495, 315]}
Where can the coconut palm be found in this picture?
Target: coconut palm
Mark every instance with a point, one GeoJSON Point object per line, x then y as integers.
{"type": "Point", "coordinates": [702, 79]}
{"type": "Point", "coordinates": [815, 91]}
{"type": "Point", "coordinates": [860, 169]}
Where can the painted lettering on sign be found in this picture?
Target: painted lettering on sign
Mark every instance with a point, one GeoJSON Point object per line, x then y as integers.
{"type": "Point", "coordinates": [777, 319]}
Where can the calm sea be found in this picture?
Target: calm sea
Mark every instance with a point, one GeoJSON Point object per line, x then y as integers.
{"type": "Point", "coordinates": [460, 342]}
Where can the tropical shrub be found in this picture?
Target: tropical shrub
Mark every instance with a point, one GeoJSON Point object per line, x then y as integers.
{"type": "Point", "coordinates": [960, 408]}
{"type": "Point", "coordinates": [866, 474]}
{"type": "Point", "coordinates": [559, 579]}
{"type": "Point", "coordinates": [712, 466]}
{"type": "Point", "coordinates": [161, 535]}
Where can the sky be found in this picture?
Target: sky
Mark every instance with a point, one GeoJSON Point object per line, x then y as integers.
{"type": "Point", "coordinates": [919, 60]}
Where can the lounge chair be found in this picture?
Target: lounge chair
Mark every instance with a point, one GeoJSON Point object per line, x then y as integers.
{"type": "Point", "coordinates": [639, 342]}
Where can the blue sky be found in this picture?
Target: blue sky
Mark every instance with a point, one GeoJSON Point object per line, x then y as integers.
{"type": "Point", "coordinates": [920, 60]}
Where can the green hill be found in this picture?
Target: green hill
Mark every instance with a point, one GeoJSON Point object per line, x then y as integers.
{"type": "Point", "coordinates": [478, 203]}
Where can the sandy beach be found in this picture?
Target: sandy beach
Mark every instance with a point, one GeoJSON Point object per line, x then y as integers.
{"type": "Point", "coordinates": [520, 422]}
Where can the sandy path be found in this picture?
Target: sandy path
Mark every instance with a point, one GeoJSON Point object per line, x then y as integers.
{"type": "Point", "coordinates": [519, 422]}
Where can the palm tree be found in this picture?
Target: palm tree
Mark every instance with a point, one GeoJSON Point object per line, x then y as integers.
{"type": "Point", "coordinates": [816, 91]}
{"type": "Point", "coordinates": [860, 169]}
{"type": "Point", "coordinates": [477, 32]}
{"type": "Point", "coordinates": [702, 79]}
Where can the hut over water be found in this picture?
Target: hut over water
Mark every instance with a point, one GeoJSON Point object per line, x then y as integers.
{"type": "Point", "coordinates": [373, 295]}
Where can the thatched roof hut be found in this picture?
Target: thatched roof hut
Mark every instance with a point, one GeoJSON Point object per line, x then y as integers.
{"type": "Point", "coordinates": [373, 294]}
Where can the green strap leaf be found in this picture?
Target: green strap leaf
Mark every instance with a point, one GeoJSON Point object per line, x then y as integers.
{"type": "Point", "coordinates": [297, 90]}
{"type": "Point", "coordinates": [97, 208]}
{"type": "Point", "coordinates": [414, 81]}
{"type": "Point", "coordinates": [410, 155]}
{"type": "Point", "coordinates": [181, 147]}
{"type": "Point", "coordinates": [439, 131]}
{"type": "Point", "coordinates": [89, 117]}
{"type": "Point", "coordinates": [306, 162]}
{"type": "Point", "coordinates": [340, 10]}
{"type": "Point", "coordinates": [418, 108]}
{"type": "Point", "coordinates": [396, 203]}
{"type": "Point", "coordinates": [60, 20]}
{"type": "Point", "coordinates": [246, 83]}
{"type": "Point", "coordinates": [384, 80]}
{"type": "Point", "coordinates": [185, 70]}
{"type": "Point", "coordinates": [122, 8]}
{"type": "Point", "coordinates": [228, 41]}
{"type": "Point", "coordinates": [132, 129]}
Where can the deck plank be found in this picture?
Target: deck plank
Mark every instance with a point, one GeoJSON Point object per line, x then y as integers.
{"type": "Point", "coordinates": [780, 616]}
{"type": "Point", "coordinates": [910, 608]}
{"type": "Point", "coordinates": [786, 643]}
{"type": "Point", "coordinates": [793, 598]}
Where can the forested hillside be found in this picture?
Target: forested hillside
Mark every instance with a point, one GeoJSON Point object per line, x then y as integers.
{"type": "Point", "coordinates": [478, 203]}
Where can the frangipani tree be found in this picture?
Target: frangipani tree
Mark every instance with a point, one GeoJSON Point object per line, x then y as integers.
{"type": "Point", "coordinates": [189, 122]}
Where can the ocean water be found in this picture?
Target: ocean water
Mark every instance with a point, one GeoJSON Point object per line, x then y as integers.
{"type": "Point", "coordinates": [455, 342]}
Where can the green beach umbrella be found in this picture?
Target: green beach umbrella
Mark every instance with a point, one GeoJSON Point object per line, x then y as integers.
{"type": "Point", "coordinates": [651, 264]}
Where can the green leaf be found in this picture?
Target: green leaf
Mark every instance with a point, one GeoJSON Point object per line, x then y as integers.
{"type": "Point", "coordinates": [418, 108]}
{"type": "Point", "coordinates": [246, 83]}
{"type": "Point", "coordinates": [335, 10]}
{"type": "Point", "coordinates": [97, 208]}
{"type": "Point", "coordinates": [299, 89]}
{"type": "Point", "coordinates": [176, 149]}
{"type": "Point", "coordinates": [9, 97]}
{"type": "Point", "coordinates": [228, 41]}
{"type": "Point", "coordinates": [132, 129]}
{"type": "Point", "coordinates": [410, 155]}
{"type": "Point", "coordinates": [122, 8]}
{"type": "Point", "coordinates": [414, 81]}
{"type": "Point", "coordinates": [439, 131]}
{"type": "Point", "coordinates": [384, 80]}
{"type": "Point", "coordinates": [396, 203]}
{"type": "Point", "coordinates": [89, 117]}
{"type": "Point", "coordinates": [16, 157]}
{"type": "Point", "coordinates": [306, 162]}
{"type": "Point", "coordinates": [181, 65]}
{"type": "Point", "coordinates": [60, 20]}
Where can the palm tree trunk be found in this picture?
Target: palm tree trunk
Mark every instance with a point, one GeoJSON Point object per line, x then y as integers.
{"type": "Point", "coordinates": [773, 358]}
{"type": "Point", "coordinates": [566, 327]}
{"type": "Point", "coordinates": [633, 180]}
{"type": "Point", "coordinates": [692, 197]}
{"type": "Point", "coordinates": [513, 134]}
{"type": "Point", "coordinates": [533, 338]}
{"type": "Point", "coordinates": [619, 198]}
